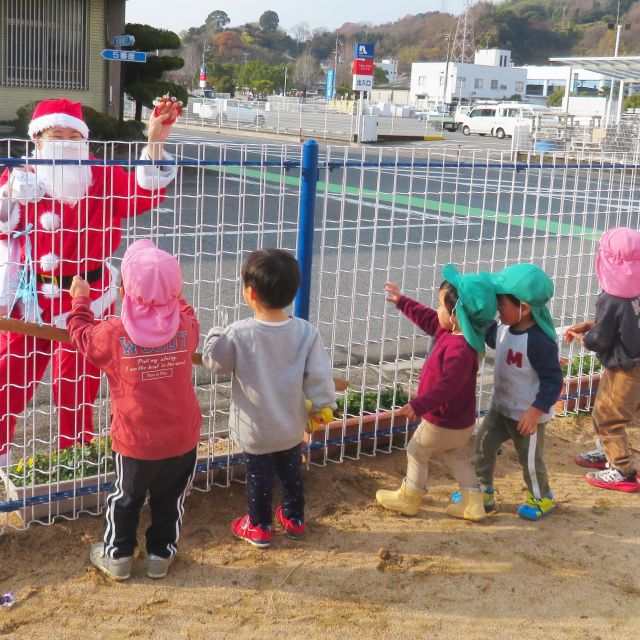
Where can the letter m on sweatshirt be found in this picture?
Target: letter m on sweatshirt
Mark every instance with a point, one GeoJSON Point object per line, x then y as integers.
{"type": "Point", "coordinates": [514, 358]}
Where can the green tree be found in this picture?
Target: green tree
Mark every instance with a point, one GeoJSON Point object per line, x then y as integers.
{"type": "Point", "coordinates": [380, 76]}
{"type": "Point", "coordinates": [632, 102]}
{"type": "Point", "coordinates": [269, 21]}
{"type": "Point", "coordinates": [555, 99]}
{"type": "Point", "coordinates": [259, 77]}
{"type": "Point", "coordinates": [222, 77]}
{"type": "Point", "coordinates": [143, 82]}
{"type": "Point", "coordinates": [219, 19]}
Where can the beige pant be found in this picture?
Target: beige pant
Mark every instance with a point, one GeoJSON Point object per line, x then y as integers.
{"type": "Point", "coordinates": [451, 443]}
{"type": "Point", "coordinates": [618, 400]}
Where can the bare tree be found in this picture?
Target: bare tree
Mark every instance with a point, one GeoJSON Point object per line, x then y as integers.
{"type": "Point", "coordinates": [306, 72]}
{"type": "Point", "coordinates": [300, 32]}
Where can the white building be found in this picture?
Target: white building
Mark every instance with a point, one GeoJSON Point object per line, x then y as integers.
{"type": "Point", "coordinates": [391, 67]}
{"type": "Point", "coordinates": [542, 81]}
{"type": "Point", "coordinates": [491, 77]}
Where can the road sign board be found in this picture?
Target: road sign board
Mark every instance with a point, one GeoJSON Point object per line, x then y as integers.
{"type": "Point", "coordinates": [203, 77]}
{"type": "Point", "coordinates": [124, 56]}
{"type": "Point", "coordinates": [330, 88]}
{"type": "Point", "coordinates": [363, 67]}
{"type": "Point", "coordinates": [362, 83]}
{"type": "Point", "coordinates": [364, 50]}
{"type": "Point", "coordinates": [124, 40]}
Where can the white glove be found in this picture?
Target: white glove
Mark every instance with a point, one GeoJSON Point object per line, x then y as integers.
{"type": "Point", "coordinates": [26, 187]}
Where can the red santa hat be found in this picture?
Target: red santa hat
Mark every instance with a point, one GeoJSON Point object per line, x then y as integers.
{"type": "Point", "coordinates": [58, 113]}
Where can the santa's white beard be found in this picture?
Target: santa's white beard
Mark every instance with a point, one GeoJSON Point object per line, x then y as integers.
{"type": "Point", "coordinates": [67, 183]}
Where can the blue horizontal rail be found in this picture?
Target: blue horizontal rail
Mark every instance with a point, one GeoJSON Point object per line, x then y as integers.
{"type": "Point", "coordinates": [322, 164]}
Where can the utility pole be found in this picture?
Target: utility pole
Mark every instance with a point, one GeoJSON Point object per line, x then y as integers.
{"type": "Point", "coordinates": [447, 38]}
{"type": "Point", "coordinates": [336, 53]}
{"type": "Point", "coordinates": [618, 27]}
{"type": "Point", "coordinates": [284, 92]}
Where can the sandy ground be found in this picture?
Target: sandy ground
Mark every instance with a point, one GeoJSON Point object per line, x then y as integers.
{"type": "Point", "coordinates": [573, 575]}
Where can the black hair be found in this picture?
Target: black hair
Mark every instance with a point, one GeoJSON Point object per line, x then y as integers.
{"type": "Point", "coordinates": [274, 275]}
{"type": "Point", "coordinates": [511, 298]}
{"type": "Point", "coordinates": [450, 296]}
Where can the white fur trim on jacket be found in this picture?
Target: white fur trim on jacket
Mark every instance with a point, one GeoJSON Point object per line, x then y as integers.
{"type": "Point", "coordinates": [49, 262]}
{"type": "Point", "coordinates": [100, 305]}
{"type": "Point", "coordinates": [37, 125]}
{"type": "Point", "coordinates": [154, 178]}
{"type": "Point", "coordinates": [8, 225]}
{"type": "Point", "coordinates": [26, 186]}
{"type": "Point", "coordinates": [50, 221]}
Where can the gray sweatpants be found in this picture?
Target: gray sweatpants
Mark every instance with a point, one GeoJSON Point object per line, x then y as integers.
{"type": "Point", "coordinates": [495, 430]}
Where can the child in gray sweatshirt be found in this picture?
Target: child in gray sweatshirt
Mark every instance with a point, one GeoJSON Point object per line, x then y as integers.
{"type": "Point", "coordinates": [277, 361]}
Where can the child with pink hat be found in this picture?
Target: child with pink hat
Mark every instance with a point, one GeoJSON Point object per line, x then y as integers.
{"type": "Point", "coordinates": [615, 337]}
{"type": "Point", "coordinates": [155, 427]}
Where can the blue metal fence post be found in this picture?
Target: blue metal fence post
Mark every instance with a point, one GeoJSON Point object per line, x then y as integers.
{"type": "Point", "coordinates": [306, 225]}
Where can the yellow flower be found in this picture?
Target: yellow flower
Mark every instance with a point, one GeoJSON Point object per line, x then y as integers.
{"type": "Point", "coordinates": [20, 466]}
{"type": "Point", "coordinates": [29, 462]}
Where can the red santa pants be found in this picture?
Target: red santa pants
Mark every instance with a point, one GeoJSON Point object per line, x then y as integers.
{"type": "Point", "coordinates": [23, 361]}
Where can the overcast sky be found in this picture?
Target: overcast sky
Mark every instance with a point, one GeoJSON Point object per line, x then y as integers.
{"type": "Point", "coordinates": [178, 16]}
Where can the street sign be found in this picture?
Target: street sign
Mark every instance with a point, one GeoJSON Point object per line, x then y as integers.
{"type": "Point", "coordinates": [203, 77]}
{"type": "Point", "coordinates": [364, 50]}
{"type": "Point", "coordinates": [362, 83]}
{"type": "Point", "coordinates": [330, 89]}
{"type": "Point", "coordinates": [123, 41]}
{"type": "Point", "coordinates": [363, 67]}
{"type": "Point", "coordinates": [124, 56]}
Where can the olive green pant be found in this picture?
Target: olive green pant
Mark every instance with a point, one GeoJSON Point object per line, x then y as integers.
{"type": "Point", "coordinates": [618, 400]}
{"type": "Point", "coordinates": [494, 431]}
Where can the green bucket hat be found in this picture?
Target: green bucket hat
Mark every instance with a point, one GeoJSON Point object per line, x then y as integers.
{"type": "Point", "coordinates": [476, 306]}
{"type": "Point", "coordinates": [530, 284]}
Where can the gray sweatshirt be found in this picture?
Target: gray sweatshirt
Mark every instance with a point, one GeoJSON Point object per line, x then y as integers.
{"type": "Point", "coordinates": [275, 366]}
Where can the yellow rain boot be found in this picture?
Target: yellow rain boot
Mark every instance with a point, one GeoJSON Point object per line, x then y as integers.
{"type": "Point", "coordinates": [405, 500]}
{"type": "Point", "coordinates": [470, 507]}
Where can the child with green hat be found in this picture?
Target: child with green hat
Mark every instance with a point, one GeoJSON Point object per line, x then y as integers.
{"type": "Point", "coordinates": [527, 383]}
{"type": "Point", "coordinates": [446, 400]}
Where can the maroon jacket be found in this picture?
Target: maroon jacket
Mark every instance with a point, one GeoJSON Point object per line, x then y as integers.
{"type": "Point", "coordinates": [447, 390]}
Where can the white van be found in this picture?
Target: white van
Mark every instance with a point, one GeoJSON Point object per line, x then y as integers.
{"type": "Point", "coordinates": [499, 120]}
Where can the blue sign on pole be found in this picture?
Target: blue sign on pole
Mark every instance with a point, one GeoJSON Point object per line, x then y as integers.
{"type": "Point", "coordinates": [364, 50]}
{"type": "Point", "coordinates": [124, 56]}
{"type": "Point", "coordinates": [124, 41]}
{"type": "Point", "coordinates": [330, 91]}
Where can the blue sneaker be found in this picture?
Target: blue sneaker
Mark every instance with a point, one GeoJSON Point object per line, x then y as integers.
{"type": "Point", "coordinates": [488, 499]}
{"type": "Point", "coordinates": [534, 509]}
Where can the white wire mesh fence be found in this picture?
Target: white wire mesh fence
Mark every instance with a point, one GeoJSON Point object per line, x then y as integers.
{"type": "Point", "coordinates": [321, 119]}
{"type": "Point", "coordinates": [396, 214]}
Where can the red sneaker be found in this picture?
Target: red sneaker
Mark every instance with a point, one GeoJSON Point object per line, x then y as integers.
{"type": "Point", "coordinates": [257, 535]}
{"type": "Point", "coordinates": [293, 528]}
{"type": "Point", "coordinates": [611, 478]}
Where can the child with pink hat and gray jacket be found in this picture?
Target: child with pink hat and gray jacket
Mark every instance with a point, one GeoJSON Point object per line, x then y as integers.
{"type": "Point", "coordinates": [615, 337]}
{"type": "Point", "coordinates": [155, 428]}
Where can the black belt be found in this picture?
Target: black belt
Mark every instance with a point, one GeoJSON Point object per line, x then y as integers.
{"type": "Point", "coordinates": [64, 282]}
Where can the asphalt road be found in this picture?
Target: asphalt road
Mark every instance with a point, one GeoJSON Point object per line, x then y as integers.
{"type": "Point", "coordinates": [377, 223]}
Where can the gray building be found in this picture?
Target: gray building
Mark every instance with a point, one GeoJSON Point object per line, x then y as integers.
{"type": "Point", "coordinates": [52, 49]}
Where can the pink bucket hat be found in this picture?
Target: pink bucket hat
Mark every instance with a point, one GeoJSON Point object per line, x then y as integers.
{"type": "Point", "coordinates": [618, 262]}
{"type": "Point", "coordinates": [152, 283]}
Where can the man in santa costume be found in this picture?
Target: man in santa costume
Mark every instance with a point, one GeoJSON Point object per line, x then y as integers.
{"type": "Point", "coordinates": [71, 217]}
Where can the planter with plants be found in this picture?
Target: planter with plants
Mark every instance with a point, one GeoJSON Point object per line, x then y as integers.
{"type": "Point", "coordinates": [581, 381]}
{"type": "Point", "coordinates": [364, 415]}
{"type": "Point", "coordinates": [67, 470]}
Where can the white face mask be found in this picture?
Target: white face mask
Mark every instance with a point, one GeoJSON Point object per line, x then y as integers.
{"type": "Point", "coordinates": [68, 183]}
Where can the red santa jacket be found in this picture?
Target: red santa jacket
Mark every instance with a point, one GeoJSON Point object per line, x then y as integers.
{"type": "Point", "coordinates": [70, 240]}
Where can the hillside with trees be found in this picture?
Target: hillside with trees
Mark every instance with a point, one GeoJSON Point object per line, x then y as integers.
{"type": "Point", "coordinates": [259, 55]}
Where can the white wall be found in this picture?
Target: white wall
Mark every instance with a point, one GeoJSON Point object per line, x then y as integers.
{"type": "Point", "coordinates": [497, 83]}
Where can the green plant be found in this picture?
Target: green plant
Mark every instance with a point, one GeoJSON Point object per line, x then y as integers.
{"type": "Point", "coordinates": [359, 403]}
{"type": "Point", "coordinates": [581, 366]}
{"type": "Point", "coordinates": [79, 461]}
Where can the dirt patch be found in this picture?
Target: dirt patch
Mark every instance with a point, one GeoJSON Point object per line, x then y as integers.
{"type": "Point", "coordinates": [361, 572]}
